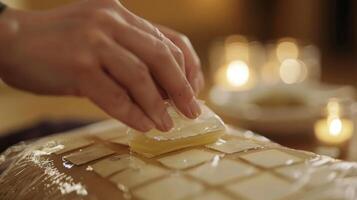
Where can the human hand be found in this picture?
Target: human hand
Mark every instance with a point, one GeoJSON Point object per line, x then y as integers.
{"type": "Point", "coordinates": [192, 62]}
{"type": "Point", "coordinates": [100, 50]}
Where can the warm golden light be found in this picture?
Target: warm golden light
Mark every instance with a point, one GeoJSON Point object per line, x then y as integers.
{"type": "Point", "coordinates": [237, 73]}
{"type": "Point", "coordinates": [270, 72]}
{"type": "Point", "coordinates": [287, 49]}
{"type": "Point", "coordinates": [335, 126]}
{"type": "Point", "coordinates": [334, 129]}
{"type": "Point", "coordinates": [333, 108]}
{"type": "Point", "coordinates": [334, 132]}
{"type": "Point", "coordinates": [236, 48]}
{"type": "Point", "coordinates": [292, 71]}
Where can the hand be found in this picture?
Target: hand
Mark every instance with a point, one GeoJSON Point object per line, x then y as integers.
{"type": "Point", "coordinates": [98, 49]}
{"type": "Point", "coordinates": [192, 62]}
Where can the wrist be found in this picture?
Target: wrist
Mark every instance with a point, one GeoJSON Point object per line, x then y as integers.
{"type": "Point", "coordinates": [9, 26]}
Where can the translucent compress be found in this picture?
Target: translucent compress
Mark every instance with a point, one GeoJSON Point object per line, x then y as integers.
{"type": "Point", "coordinates": [207, 128]}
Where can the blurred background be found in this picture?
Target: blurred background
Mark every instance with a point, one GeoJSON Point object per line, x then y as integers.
{"type": "Point", "coordinates": [283, 68]}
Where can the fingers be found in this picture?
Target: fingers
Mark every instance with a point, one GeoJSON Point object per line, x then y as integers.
{"type": "Point", "coordinates": [153, 30]}
{"type": "Point", "coordinates": [200, 81]}
{"type": "Point", "coordinates": [113, 99]}
{"type": "Point", "coordinates": [162, 64]}
{"type": "Point", "coordinates": [192, 61]}
{"type": "Point", "coordinates": [134, 75]}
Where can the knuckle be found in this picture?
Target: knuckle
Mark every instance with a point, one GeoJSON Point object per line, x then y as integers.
{"type": "Point", "coordinates": [84, 62]}
{"type": "Point", "coordinates": [141, 75]}
{"type": "Point", "coordinates": [184, 38]}
{"type": "Point", "coordinates": [162, 50]}
{"type": "Point", "coordinates": [178, 54]}
{"type": "Point", "coordinates": [95, 37]}
{"type": "Point", "coordinates": [152, 29]}
{"type": "Point", "coordinates": [91, 33]}
{"type": "Point", "coordinates": [101, 16]}
{"type": "Point", "coordinates": [180, 38]}
{"type": "Point", "coordinates": [139, 65]}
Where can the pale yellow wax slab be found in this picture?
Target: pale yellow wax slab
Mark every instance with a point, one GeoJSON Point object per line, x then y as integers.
{"type": "Point", "coordinates": [313, 176]}
{"type": "Point", "coordinates": [271, 158]}
{"type": "Point", "coordinates": [293, 171]}
{"type": "Point", "coordinates": [208, 121]}
{"type": "Point", "coordinates": [264, 186]}
{"type": "Point", "coordinates": [173, 188]}
{"type": "Point", "coordinates": [114, 164]}
{"type": "Point", "coordinates": [205, 129]}
{"type": "Point", "coordinates": [187, 159]}
{"type": "Point", "coordinates": [73, 143]}
{"type": "Point", "coordinates": [88, 154]}
{"type": "Point", "coordinates": [133, 177]}
{"type": "Point", "coordinates": [233, 145]}
{"type": "Point", "coordinates": [150, 147]}
{"type": "Point", "coordinates": [222, 171]}
{"type": "Point", "coordinates": [211, 195]}
{"type": "Point", "coordinates": [121, 140]}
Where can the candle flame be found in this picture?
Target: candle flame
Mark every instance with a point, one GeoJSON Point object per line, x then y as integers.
{"type": "Point", "coordinates": [335, 126]}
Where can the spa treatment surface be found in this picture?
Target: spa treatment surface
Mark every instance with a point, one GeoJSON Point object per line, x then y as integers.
{"type": "Point", "coordinates": [96, 162]}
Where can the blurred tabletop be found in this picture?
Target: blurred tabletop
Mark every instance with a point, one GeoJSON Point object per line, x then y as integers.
{"type": "Point", "coordinates": [21, 110]}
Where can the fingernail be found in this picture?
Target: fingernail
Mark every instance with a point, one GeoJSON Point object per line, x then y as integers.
{"type": "Point", "coordinates": [194, 108]}
{"type": "Point", "coordinates": [146, 124]}
{"type": "Point", "coordinates": [166, 121]}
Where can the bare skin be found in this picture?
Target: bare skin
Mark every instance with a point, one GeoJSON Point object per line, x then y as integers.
{"type": "Point", "coordinates": [100, 50]}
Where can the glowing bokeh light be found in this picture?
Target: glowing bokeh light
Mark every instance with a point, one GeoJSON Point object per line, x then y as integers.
{"type": "Point", "coordinates": [335, 126]}
{"type": "Point", "coordinates": [237, 73]}
{"type": "Point", "coordinates": [292, 71]}
{"type": "Point", "coordinates": [236, 48]}
{"type": "Point", "coordinates": [333, 107]}
{"type": "Point", "coordinates": [287, 49]}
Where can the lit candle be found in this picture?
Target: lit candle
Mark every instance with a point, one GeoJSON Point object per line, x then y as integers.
{"type": "Point", "coordinates": [334, 130]}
